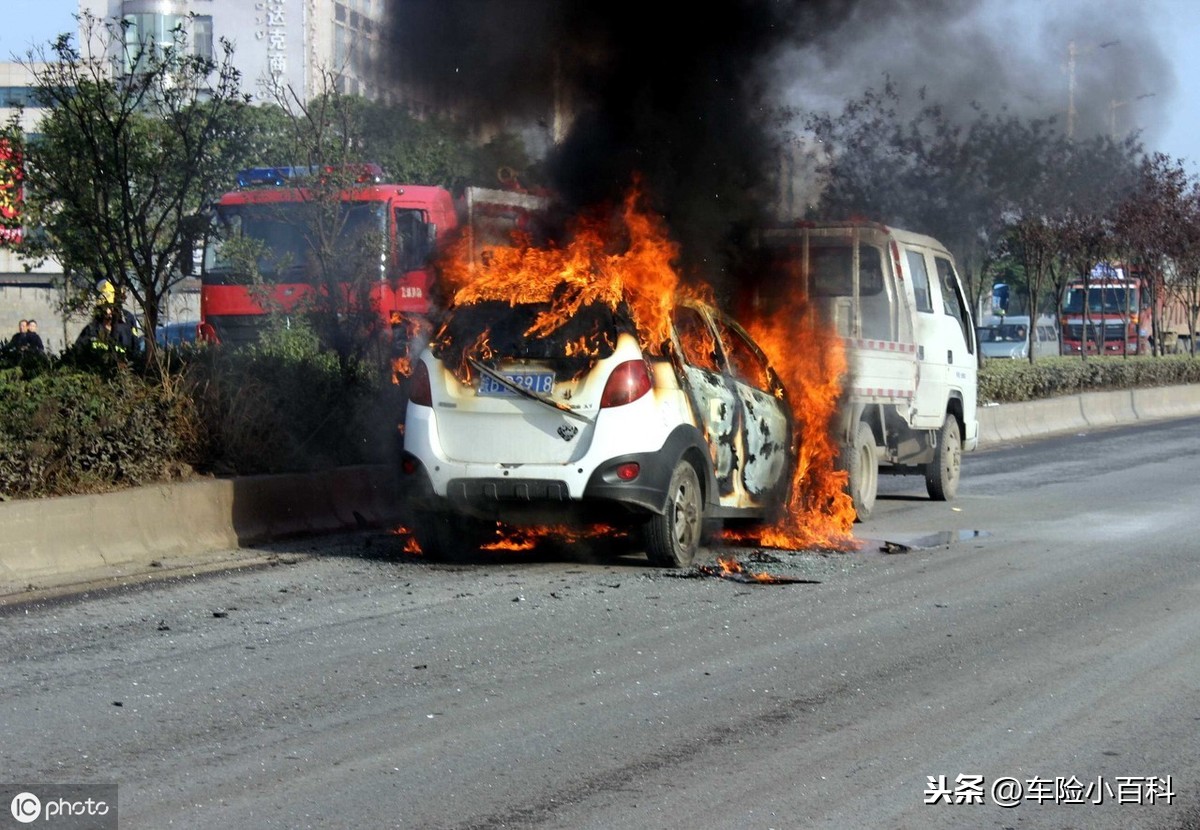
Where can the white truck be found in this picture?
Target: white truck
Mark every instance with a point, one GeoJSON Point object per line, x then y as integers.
{"type": "Point", "coordinates": [894, 297]}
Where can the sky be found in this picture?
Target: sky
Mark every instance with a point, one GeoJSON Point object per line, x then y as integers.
{"type": "Point", "coordinates": [1146, 75]}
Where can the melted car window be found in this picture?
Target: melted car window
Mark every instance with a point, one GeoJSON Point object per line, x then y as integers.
{"type": "Point", "coordinates": [493, 330]}
{"type": "Point", "coordinates": [745, 363]}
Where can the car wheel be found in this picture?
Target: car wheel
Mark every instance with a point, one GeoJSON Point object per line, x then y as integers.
{"type": "Point", "coordinates": [942, 473]}
{"type": "Point", "coordinates": [673, 537]}
{"type": "Point", "coordinates": [448, 537]}
{"type": "Point", "coordinates": [862, 466]}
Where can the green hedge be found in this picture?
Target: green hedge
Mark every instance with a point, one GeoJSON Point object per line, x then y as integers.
{"type": "Point", "coordinates": [65, 431]}
{"type": "Point", "coordinates": [1010, 381]}
{"type": "Point", "coordinates": [287, 405]}
{"type": "Point", "coordinates": [82, 423]}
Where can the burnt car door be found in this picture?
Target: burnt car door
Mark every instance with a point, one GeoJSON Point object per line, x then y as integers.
{"type": "Point", "coordinates": [713, 399]}
{"type": "Point", "coordinates": [739, 401]}
{"type": "Point", "coordinates": [765, 451]}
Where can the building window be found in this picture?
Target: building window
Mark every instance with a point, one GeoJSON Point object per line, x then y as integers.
{"type": "Point", "coordinates": [144, 32]}
{"type": "Point", "coordinates": [16, 96]}
{"type": "Point", "coordinates": [202, 36]}
{"type": "Point", "coordinates": [339, 46]}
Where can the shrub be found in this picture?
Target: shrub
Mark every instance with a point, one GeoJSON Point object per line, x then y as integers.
{"type": "Point", "coordinates": [286, 405]}
{"type": "Point", "coordinates": [1010, 381]}
{"type": "Point", "coordinates": [65, 431]}
{"type": "Point", "coordinates": [83, 423]}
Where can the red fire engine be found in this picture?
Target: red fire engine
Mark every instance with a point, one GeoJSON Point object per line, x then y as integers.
{"type": "Point", "coordinates": [388, 231]}
{"type": "Point", "coordinates": [392, 232]}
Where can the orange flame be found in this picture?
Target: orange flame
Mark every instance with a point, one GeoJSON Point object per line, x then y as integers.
{"type": "Point", "coordinates": [631, 264]}
{"type": "Point", "coordinates": [729, 566]}
{"type": "Point", "coordinates": [410, 541]}
{"type": "Point", "coordinates": [527, 538]}
{"type": "Point", "coordinates": [811, 361]}
{"type": "Point", "coordinates": [414, 330]}
{"type": "Point", "coordinates": [516, 539]}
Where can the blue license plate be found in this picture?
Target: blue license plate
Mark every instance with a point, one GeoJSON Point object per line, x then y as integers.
{"type": "Point", "coordinates": [540, 383]}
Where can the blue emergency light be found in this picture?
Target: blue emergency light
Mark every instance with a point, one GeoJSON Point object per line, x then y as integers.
{"type": "Point", "coordinates": [369, 172]}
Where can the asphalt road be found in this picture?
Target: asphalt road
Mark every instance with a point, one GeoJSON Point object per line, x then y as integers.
{"type": "Point", "coordinates": [1036, 639]}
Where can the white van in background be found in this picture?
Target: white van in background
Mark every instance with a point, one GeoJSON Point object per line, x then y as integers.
{"type": "Point", "coordinates": [895, 298]}
{"type": "Point", "coordinates": [1008, 338]}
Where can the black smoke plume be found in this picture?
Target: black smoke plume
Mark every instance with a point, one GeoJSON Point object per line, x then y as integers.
{"type": "Point", "coordinates": [693, 98]}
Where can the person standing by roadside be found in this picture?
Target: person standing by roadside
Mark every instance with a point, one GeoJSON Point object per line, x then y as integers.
{"type": "Point", "coordinates": [18, 339]}
{"type": "Point", "coordinates": [33, 340]}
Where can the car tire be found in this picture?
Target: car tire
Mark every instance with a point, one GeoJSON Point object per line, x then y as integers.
{"type": "Point", "coordinates": [449, 537]}
{"type": "Point", "coordinates": [862, 467]}
{"type": "Point", "coordinates": [673, 537]}
{"type": "Point", "coordinates": [942, 473]}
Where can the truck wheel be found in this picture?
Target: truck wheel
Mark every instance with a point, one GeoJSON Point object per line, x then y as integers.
{"type": "Point", "coordinates": [448, 537]}
{"type": "Point", "coordinates": [942, 473]}
{"type": "Point", "coordinates": [672, 538]}
{"type": "Point", "coordinates": [862, 465]}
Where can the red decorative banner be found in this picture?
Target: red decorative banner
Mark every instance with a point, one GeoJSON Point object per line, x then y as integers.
{"type": "Point", "coordinates": [12, 177]}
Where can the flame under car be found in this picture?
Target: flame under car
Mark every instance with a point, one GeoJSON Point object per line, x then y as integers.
{"type": "Point", "coordinates": [511, 421]}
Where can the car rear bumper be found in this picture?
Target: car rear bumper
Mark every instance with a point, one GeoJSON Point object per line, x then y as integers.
{"type": "Point", "coordinates": [534, 490]}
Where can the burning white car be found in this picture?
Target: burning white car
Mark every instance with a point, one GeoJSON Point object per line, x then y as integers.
{"type": "Point", "coordinates": [522, 414]}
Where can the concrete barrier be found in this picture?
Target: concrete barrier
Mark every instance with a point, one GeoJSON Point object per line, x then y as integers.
{"type": "Point", "coordinates": [48, 542]}
{"type": "Point", "coordinates": [999, 424]}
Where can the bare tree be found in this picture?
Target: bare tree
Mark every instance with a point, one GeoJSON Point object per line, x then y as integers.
{"type": "Point", "coordinates": [1184, 284]}
{"type": "Point", "coordinates": [1152, 224]}
{"type": "Point", "coordinates": [344, 243]}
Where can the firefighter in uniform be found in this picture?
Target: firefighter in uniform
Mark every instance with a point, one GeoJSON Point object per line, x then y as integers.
{"type": "Point", "coordinates": [112, 328]}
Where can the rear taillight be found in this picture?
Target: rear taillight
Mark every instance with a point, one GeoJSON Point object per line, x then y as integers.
{"type": "Point", "coordinates": [418, 386]}
{"type": "Point", "coordinates": [629, 471]}
{"type": "Point", "coordinates": [626, 384]}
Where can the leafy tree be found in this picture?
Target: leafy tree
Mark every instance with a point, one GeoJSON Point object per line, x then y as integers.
{"type": "Point", "coordinates": [344, 247]}
{"type": "Point", "coordinates": [921, 171]}
{"type": "Point", "coordinates": [1034, 153]}
{"type": "Point", "coordinates": [136, 140]}
{"type": "Point", "coordinates": [256, 135]}
{"type": "Point", "coordinates": [432, 151]}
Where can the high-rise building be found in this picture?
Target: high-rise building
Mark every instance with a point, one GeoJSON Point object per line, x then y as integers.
{"type": "Point", "coordinates": [294, 46]}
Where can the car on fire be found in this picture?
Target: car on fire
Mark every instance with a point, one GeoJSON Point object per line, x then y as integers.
{"type": "Point", "coordinates": [586, 422]}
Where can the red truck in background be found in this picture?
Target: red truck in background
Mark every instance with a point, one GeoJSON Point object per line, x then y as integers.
{"type": "Point", "coordinates": [390, 228]}
{"type": "Point", "coordinates": [1114, 313]}
{"type": "Point", "coordinates": [391, 231]}
{"type": "Point", "coordinates": [1105, 314]}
